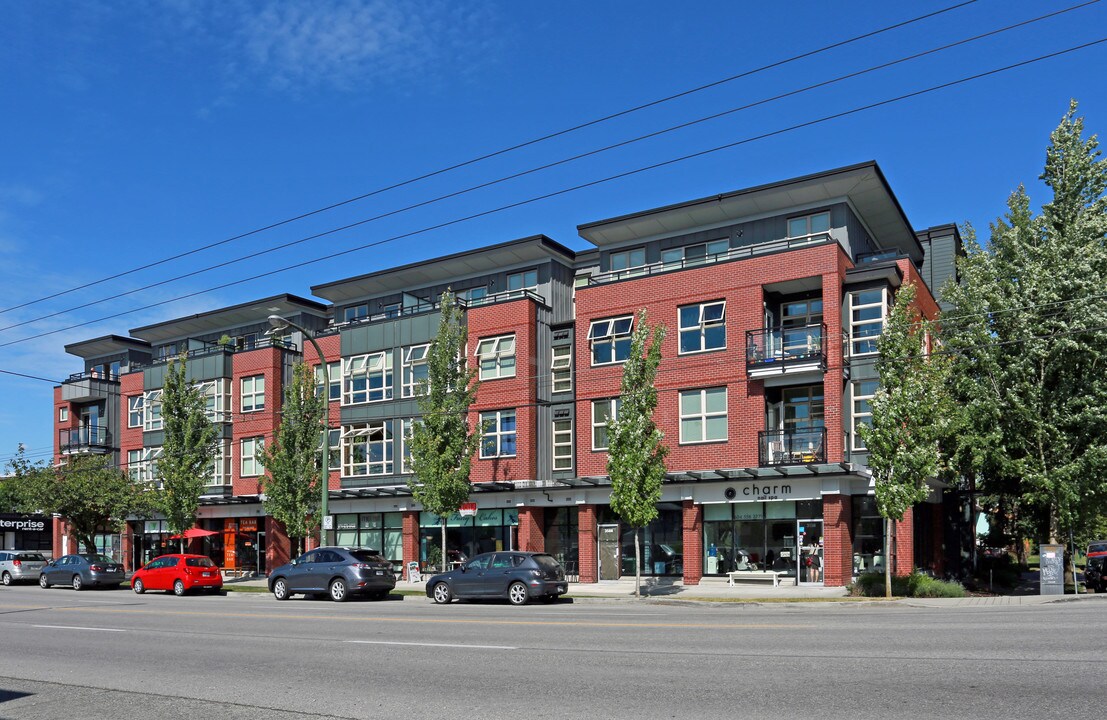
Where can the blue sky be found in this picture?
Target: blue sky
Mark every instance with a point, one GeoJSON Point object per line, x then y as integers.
{"type": "Point", "coordinates": [134, 131]}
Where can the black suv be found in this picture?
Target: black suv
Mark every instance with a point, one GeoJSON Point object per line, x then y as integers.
{"type": "Point", "coordinates": [337, 571]}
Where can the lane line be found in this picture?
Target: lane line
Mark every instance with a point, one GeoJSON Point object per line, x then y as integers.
{"type": "Point", "coordinates": [78, 627]}
{"type": "Point", "coordinates": [435, 645]}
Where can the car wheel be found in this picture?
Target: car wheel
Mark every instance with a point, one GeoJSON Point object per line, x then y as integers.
{"type": "Point", "coordinates": [338, 590]}
{"type": "Point", "coordinates": [138, 587]}
{"type": "Point", "coordinates": [517, 594]}
{"type": "Point", "coordinates": [7, 578]}
{"type": "Point", "coordinates": [442, 594]}
{"type": "Point", "coordinates": [43, 582]}
{"type": "Point", "coordinates": [78, 584]}
{"type": "Point", "coordinates": [280, 589]}
{"type": "Point", "coordinates": [178, 587]}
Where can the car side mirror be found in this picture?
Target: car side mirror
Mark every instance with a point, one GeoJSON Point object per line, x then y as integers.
{"type": "Point", "coordinates": [295, 562]}
{"type": "Point", "coordinates": [50, 564]}
{"type": "Point", "coordinates": [464, 568]}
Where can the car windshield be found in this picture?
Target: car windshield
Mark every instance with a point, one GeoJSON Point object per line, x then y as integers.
{"type": "Point", "coordinates": [199, 562]}
{"type": "Point", "coordinates": [31, 557]}
{"type": "Point", "coordinates": [546, 562]}
{"type": "Point", "coordinates": [97, 558]}
{"type": "Point", "coordinates": [367, 556]}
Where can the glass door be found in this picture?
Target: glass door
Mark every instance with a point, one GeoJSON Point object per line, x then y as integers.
{"type": "Point", "coordinates": [809, 534]}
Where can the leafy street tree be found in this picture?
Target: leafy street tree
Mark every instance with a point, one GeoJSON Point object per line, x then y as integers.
{"type": "Point", "coordinates": [1030, 334]}
{"type": "Point", "coordinates": [87, 491]}
{"type": "Point", "coordinates": [442, 441]}
{"type": "Point", "coordinates": [636, 451]}
{"type": "Point", "coordinates": [292, 460]}
{"type": "Point", "coordinates": [908, 417]}
{"type": "Point", "coordinates": [188, 453]}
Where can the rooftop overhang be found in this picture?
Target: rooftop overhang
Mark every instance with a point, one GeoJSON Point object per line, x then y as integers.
{"type": "Point", "coordinates": [106, 345]}
{"type": "Point", "coordinates": [468, 263]}
{"type": "Point", "coordinates": [247, 313]}
{"type": "Point", "coordinates": [885, 271]}
{"type": "Point", "coordinates": [863, 185]}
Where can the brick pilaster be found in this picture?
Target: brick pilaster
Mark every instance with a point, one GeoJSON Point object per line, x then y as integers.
{"type": "Point", "coordinates": [532, 536]}
{"type": "Point", "coordinates": [904, 555]}
{"type": "Point", "coordinates": [278, 547]}
{"type": "Point", "coordinates": [837, 540]}
{"type": "Point", "coordinates": [586, 535]}
{"type": "Point", "coordinates": [693, 542]}
{"type": "Point", "coordinates": [411, 539]}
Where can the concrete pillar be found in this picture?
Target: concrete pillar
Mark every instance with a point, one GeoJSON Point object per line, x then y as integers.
{"type": "Point", "coordinates": [693, 542]}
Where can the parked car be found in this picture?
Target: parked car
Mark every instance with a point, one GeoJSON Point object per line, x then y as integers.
{"type": "Point", "coordinates": [81, 571]}
{"type": "Point", "coordinates": [337, 571]}
{"type": "Point", "coordinates": [1095, 573]}
{"type": "Point", "coordinates": [20, 565]}
{"type": "Point", "coordinates": [517, 576]}
{"type": "Point", "coordinates": [179, 573]}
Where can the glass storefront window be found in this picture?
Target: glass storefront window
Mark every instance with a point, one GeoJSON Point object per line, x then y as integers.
{"type": "Point", "coordinates": [661, 543]}
{"type": "Point", "coordinates": [738, 536]}
{"type": "Point", "coordinates": [562, 536]}
{"type": "Point", "coordinates": [868, 535]}
{"type": "Point", "coordinates": [487, 531]}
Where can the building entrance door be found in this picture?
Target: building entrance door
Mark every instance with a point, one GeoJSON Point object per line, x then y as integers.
{"type": "Point", "coordinates": [608, 552]}
{"type": "Point", "coordinates": [810, 534]}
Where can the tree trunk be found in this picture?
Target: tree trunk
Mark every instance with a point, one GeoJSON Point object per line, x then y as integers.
{"type": "Point", "coordinates": [445, 564]}
{"type": "Point", "coordinates": [888, 557]}
{"type": "Point", "coordinates": [637, 567]}
{"type": "Point", "coordinates": [89, 543]}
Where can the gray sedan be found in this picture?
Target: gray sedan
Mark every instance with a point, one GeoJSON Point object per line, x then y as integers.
{"type": "Point", "coordinates": [82, 571]}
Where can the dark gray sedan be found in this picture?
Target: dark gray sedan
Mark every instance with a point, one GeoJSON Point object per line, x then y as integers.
{"type": "Point", "coordinates": [82, 571]}
{"type": "Point", "coordinates": [337, 571]}
{"type": "Point", "coordinates": [517, 576]}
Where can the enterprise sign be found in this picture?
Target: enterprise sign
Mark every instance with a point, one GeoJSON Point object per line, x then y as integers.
{"type": "Point", "coordinates": [22, 522]}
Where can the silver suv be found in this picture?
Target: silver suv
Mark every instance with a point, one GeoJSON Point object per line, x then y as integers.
{"type": "Point", "coordinates": [20, 565]}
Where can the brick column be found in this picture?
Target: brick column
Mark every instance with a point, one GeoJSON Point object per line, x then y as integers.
{"type": "Point", "coordinates": [837, 540]}
{"type": "Point", "coordinates": [586, 537]}
{"type": "Point", "coordinates": [532, 536]}
{"type": "Point", "coordinates": [693, 543]}
{"type": "Point", "coordinates": [278, 547]}
{"type": "Point", "coordinates": [126, 546]}
{"type": "Point", "coordinates": [905, 544]}
{"type": "Point", "coordinates": [411, 539]}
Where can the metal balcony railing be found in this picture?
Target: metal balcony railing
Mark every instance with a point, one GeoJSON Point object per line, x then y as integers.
{"type": "Point", "coordinates": [83, 439]}
{"type": "Point", "coordinates": [791, 447]}
{"type": "Point", "coordinates": [781, 347]}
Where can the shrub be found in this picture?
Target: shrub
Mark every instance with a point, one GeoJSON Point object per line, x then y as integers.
{"type": "Point", "coordinates": [914, 585]}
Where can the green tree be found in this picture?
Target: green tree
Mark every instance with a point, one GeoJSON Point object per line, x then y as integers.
{"type": "Point", "coordinates": [909, 416]}
{"type": "Point", "coordinates": [1030, 333]}
{"type": "Point", "coordinates": [292, 460]}
{"type": "Point", "coordinates": [442, 441]}
{"type": "Point", "coordinates": [636, 449]}
{"type": "Point", "coordinates": [12, 492]}
{"type": "Point", "coordinates": [188, 453]}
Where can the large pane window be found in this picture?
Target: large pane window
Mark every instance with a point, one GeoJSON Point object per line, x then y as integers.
{"type": "Point", "coordinates": [603, 412]}
{"type": "Point", "coordinates": [610, 339]}
{"type": "Point", "coordinates": [695, 254]}
{"type": "Point", "coordinates": [253, 394]}
{"type": "Point", "coordinates": [367, 449]}
{"type": "Point", "coordinates": [498, 438]}
{"type": "Point", "coordinates": [868, 309]}
{"type": "Point", "coordinates": [702, 327]}
{"type": "Point", "coordinates": [703, 415]}
{"type": "Point", "coordinates": [799, 227]}
{"type": "Point", "coordinates": [527, 280]}
{"type": "Point", "coordinates": [357, 312]}
{"type": "Point", "coordinates": [868, 535]}
{"type": "Point", "coordinates": [626, 259]}
{"type": "Point", "coordinates": [367, 378]}
{"type": "Point", "coordinates": [415, 370]}
{"type": "Point", "coordinates": [497, 357]}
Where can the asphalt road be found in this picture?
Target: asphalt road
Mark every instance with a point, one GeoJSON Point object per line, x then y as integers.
{"type": "Point", "coordinates": [112, 654]}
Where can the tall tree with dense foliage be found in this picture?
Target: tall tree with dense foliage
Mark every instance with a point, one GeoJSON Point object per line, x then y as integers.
{"type": "Point", "coordinates": [292, 460]}
{"type": "Point", "coordinates": [187, 463]}
{"type": "Point", "coordinates": [442, 440]}
{"type": "Point", "coordinates": [636, 449]}
{"type": "Point", "coordinates": [909, 416]}
{"type": "Point", "coordinates": [1030, 331]}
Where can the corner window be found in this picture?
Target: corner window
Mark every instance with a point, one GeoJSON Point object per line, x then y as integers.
{"type": "Point", "coordinates": [217, 399]}
{"type": "Point", "coordinates": [331, 386]}
{"type": "Point", "coordinates": [807, 225]}
{"type": "Point", "coordinates": [561, 368]}
{"type": "Point", "coordinates": [863, 392]}
{"type": "Point", "coordinates": [522, 281]}
{"type": "Point", "coordinates": [151, 420]}
{"type": "Point", "coordinates": [134, 411]}
{"type": "Point", "coordinates": [563, 444]}
{"type": "Point", "coordinates": [253, 394]}
{"type": "Point", "coordinates": [497, 357]}
{"type": "Point", "coordinates": [367, 378]}
{"type": "Point", "coordinates": [603, 412]}
{"type": "Point", "coordinates": [703, 415]}
{"type": "Point", "coordinates": [251, 457]}
{"type": "Point", "coordinates": [498, 434]}
{"type": "Point", "coordinates": [610, 339]}
{"type": "Point", "coordinates": [367, 449]}
{"type": "Point", "coordinates": [702, 327]}
{"type": "Point", "coordinates": [868, 309]}
{"type": "Point", "coordinates": [415, 370]}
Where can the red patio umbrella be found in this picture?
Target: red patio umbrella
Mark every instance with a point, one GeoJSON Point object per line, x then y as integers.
{"type": "Point", "coordinates": [193, 533]}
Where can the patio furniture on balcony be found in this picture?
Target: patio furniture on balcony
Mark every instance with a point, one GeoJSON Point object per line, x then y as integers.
{"type": "Point", "coordinates": [791, 447]}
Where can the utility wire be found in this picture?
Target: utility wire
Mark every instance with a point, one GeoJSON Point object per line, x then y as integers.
{"type": "Point", "coordinates": [496, 153]}
{"type": "Point", "coordinates": [574, 188]}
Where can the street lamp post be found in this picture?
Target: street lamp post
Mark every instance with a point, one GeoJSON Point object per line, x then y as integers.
{"type": "Point", "coordinates": [280, 323]}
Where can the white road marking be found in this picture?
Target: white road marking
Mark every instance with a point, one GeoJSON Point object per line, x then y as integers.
{"type": "Point", "coordinates": [77, 627]}
{"type": "Point", "coordinates": [439, 645]}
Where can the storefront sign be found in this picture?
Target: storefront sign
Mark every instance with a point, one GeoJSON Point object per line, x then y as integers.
{"type": "Point", "coordinates": [248, 525]}
{"type": "Point", "coordinates": [25, 523]}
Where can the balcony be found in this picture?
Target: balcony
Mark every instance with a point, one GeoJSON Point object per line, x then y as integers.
{"type": "Point", "coordinates": [791, 447]}
{"type": "Point", "coordinates": [776, 351]}
{"type": "Point", "coordinates": [88, 386]}
{"type": "Point", "coordinates": [84, 439]}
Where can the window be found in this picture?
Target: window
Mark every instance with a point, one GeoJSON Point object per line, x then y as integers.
{"type": "Point", "coordinates": [357, 312]}
{"type": "Point", "coordinates": [603, 412]}
{"type": "Point", "coordinates": [809, 225]}
{"type": "Point", "coordinates": [334, 449]}
{"type": "Point", "coordinates": [498, 436]}
{"type": "Point", "coordinates": [251, 457]}
{"type": "Point", "coordinates": [497, 357]}
{"type": "Point", "coordinates": [561, 368]}
{"type": "Point", "coordinates": [563, 444]}
{"type": "Point", "coordinates": [407, 426]}
{"type": "Point", "coordinates": [626, 259]}
{"type": "Point", "coordinates": [867, 310]}
{"type": "Point", "coordinates": [367, 378]}
{"type": "Point", "coordinates": [695, 254]}
{"type": "Point", "coordinates": [333, 390]}
{"type": "Point", "coordinates": [142, 465]}
{"type": "Point", "coordinates": [703, 415]}
{"type": "Point", "coordinates": [610, 339]}
{"type": "Point", "coordinates": [367, 449]}
{"type": "Point", "coordinates": [415, 370]}
{"type": "Point", "coordinates": [63, 415]}
{"type": "Point", "coordinates": [134, 457]}
{"type": "Point", "coordinates": [522, 281]}
{"type": "Point", "coordinates": [217, 399]}
{"type": "Point", "coordinates": [703, 327]}
{"type": "Point", "coordinates": [134, 411]}
{"type": "Point", "coordinates": [151, 420]}
{"type": "Point", "coordinates": [392, 310]}
{"type": "Point", "coordinates": [473, 293]}
{"type": "Point", "coordinates": [863, 392]}
{"type": "Point", "coordinates": [253, 394]}
{"type": "Point", "coordinates": [221, 472]}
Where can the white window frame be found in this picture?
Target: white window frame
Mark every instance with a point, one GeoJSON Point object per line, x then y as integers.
{"type": "Point", "coordinates": [331, 388]}
{"type": "Point", "coordinates": [217, 399]}
{"type": "Point", "coordinates": [63, 415]}
{"type": "Point", "coordinates": [248, 388]}
{"type": "Point", "coordinates": [414, 356]}
{"type": "Point", "coordinates": [407, 427]}
{"type": "Point", "coordinates": [703, 415]}
{"type": "Point", "coordinates": [857, 443]}
{"type": "Point", "coordinates": [146, 469]}
{"type": "Point", "coordinates": [492, 431]}
{"type": "Point", "coordinates": [134, 458]}
{"type": "Point", "coordinates": [496, 357]}
{"type": "Point", "coordinates": [562, 438]}
{"type": "Point", "coordinates": [221, 465]}
{"type": "Point", "coordinates": [355, 313]}
{"type": "Point", "coordinates": [136, 408]}
{"type": "Point", "coordinates": [367, 367]}
{"type": "Point", "coordinates": [334, 449]}
{"type": "Point", "coordinates": [151, 414]}
{"type": "Point", "coordinates": [250, 464]}
{"type": "Point", "coordinates": [612, 413]}
{"type": "Point", "coordinates": [701, 327]}
{"type": "Point", "coordinates": [807, 224]}
{"type": "Point", "coordinates": [525, 280]}
{"type": "Point", "coordinates": [867, 340]}
{"type": "Point", "coordinates": [606, 333]}
{"type": "Point", "coordinates": [561, 368]}
{"type": "Point", "coordinates": [377, 432]}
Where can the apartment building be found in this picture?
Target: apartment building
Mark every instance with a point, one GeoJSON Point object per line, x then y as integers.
{"type": "Point", "coordinates": [772, 297]}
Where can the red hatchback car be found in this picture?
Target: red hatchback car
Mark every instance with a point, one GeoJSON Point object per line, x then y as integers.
{"type": "Point", "coordinates": [179, 573]}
